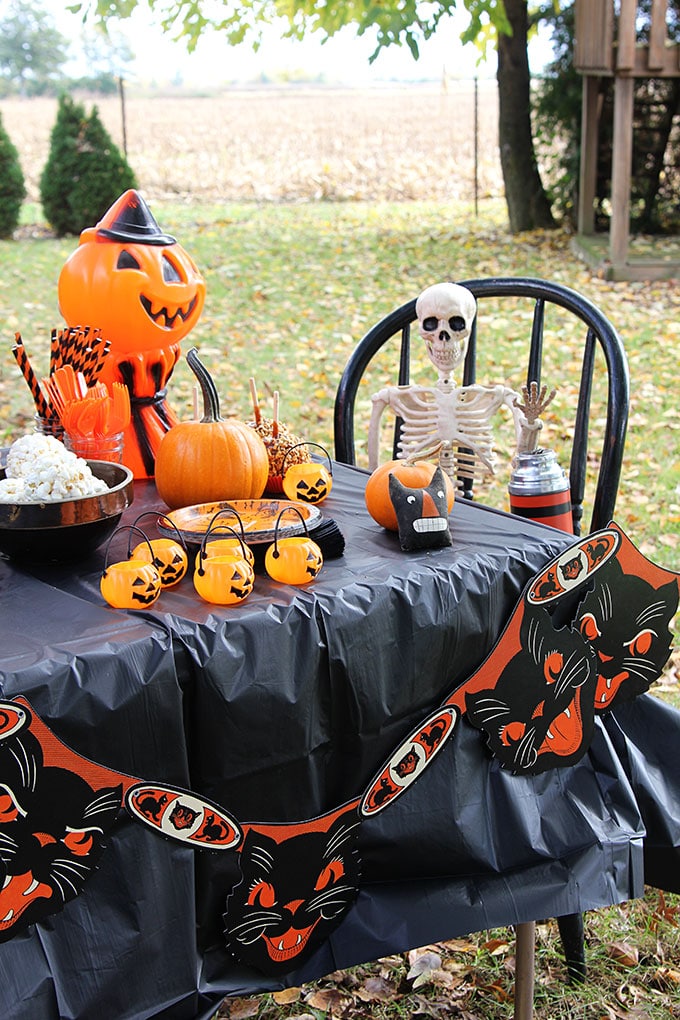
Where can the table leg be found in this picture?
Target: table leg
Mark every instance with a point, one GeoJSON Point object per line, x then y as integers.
{"type": "Point", "coordinates": [525, 936]}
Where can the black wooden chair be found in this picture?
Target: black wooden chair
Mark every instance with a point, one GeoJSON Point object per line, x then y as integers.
{"type": "Point", "coordinates": [549, 321]}
{"type": "Point", "coordinates": [554, 324]}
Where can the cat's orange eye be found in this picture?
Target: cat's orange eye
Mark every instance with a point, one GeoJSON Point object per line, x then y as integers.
{"type": "Point", "coordinates": [589, 628]}
{"type": "Point", "coordinates": [552, 666]}
{"type": "Point", "coordinates": [641, 643]}
{"type": "Point", "coordinates": [78, 841]}
{"type": "Point", "coordinates": [330, 874]}
{"type": "Point", "coordinates": [261, 895]}
{"type": "Point", "coordinates": [9, 809]}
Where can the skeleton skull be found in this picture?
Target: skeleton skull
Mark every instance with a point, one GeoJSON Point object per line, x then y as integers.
{"type": "Point", "coordinates": [445, 314]}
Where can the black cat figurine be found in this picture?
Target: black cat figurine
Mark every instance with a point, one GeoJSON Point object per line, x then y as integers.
{"type": "Point", "coordinates": [422, 514]}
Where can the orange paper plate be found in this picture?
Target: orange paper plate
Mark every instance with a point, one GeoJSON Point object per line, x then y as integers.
{"type": "Point", "coordinates": [257, 515]}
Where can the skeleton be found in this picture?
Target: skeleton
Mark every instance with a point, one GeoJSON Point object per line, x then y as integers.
{"type": "Point", "coordinates": [447, 421]}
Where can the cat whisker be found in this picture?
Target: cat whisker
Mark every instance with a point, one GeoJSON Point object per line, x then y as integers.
{"type": "Point", "coordinates": [491, 708]}
{"type": "Point", "coordinates": [330, 896]}
{"type": "Point", "coordinates": [576, 664]}
{"type": "Point", "coordinates": [104, 803]}
{"type": "Point", "coordinates": [339, 839]}
{"type": "Point", "coordinates": [525, 753]}
{"type": "Point", "coordinates": [640, 666]}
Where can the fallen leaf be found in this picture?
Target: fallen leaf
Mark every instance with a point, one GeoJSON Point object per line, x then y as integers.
{"type": "Point", "coordinates": [667, 913]}
{"type": "Point", "coordinates": [496, 947]}
{"type": "Point", "coordinates": [665, 977]}
{"type": "Point", "coordinates": [377, 989]}
{"type": "Point", "coordinates": [286, 996]}
{"type": "Point", "coordinates": [328, 1000]}
{"type": "Point", "coordinates": [423, 966]}
{"type": "Point", "coordinates": [624, 954]}
{"type": "Point", "coordinates": [239, 1009]}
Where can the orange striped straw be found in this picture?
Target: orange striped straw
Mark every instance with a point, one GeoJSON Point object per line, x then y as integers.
{"type": "Point", "coordinates": [41, 404]}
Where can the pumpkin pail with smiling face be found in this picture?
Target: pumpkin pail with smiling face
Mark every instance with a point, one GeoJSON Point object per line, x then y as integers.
{"type": "Point", "coordinates": [142, 290]}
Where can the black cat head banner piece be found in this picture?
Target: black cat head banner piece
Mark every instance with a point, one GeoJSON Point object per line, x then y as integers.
{"type": "Point", "coordinates": [422, 514]}
{"type": "Point", "coordinates": [57, 807]}
{"type": "Point", "coordinates": [591, 630]}
{"type": "Point", "coordinates": [300, 879]}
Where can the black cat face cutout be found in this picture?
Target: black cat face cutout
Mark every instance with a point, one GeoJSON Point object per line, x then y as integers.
{"type": "Point", "coordinates": [422, 514]}
{"type": "Point", "coordinates": [298, 882]}
{"type": "Point", "coordinates": [52, 826]}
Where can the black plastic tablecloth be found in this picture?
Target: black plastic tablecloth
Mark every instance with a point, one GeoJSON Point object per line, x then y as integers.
{"type": "Point", "coordinates": [282, 709]}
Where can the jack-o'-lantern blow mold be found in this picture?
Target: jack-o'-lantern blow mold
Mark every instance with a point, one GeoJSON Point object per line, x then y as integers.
{"type": "Point", "coordinates": [142, 290]}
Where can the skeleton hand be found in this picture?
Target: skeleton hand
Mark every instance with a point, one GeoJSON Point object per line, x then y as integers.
{"type": "Point", "coordinates": [535, 401]}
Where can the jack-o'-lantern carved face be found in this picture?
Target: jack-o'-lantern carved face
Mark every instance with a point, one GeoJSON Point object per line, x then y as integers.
{"type": "Point", "coordinates": [169, 559]}
{"type": "Point", "coordinates": [130, 280]}
{"type": "Point", "coordinates": [309, 483]}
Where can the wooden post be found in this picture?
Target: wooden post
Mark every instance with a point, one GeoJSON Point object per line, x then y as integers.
{"type": "Point", "coordinates": [657, 36]}
{"type": "Point", "coordinates": [627, 41]}
{"type": "Point", "coordinates": [622, 157]}
{"type": "Point", "coordinates": [525, 940]}
{"type": "Point", "coordinates": [589, 147]}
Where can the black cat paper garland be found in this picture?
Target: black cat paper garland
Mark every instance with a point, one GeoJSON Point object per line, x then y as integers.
{"type": "Point", "coordinates": [592, 629]}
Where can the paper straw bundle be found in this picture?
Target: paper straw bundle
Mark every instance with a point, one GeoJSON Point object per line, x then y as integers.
{"type": "Point", "coordinates": [83, 348]}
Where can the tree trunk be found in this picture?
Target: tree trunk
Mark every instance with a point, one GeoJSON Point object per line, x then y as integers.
{"type": "Point", "coordinates": [528, 206]}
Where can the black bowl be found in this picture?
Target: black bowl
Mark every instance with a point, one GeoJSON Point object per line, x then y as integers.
{"type": "Point", "coordinates": [67, 529]}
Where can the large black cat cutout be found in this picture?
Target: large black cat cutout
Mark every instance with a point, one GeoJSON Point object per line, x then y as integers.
{"type": "Point", "coordinates": [56, 808]}
{"type": "Point", "coordinates": [592, 629]}
{"type": "Point", "coordinates": [300, 879]}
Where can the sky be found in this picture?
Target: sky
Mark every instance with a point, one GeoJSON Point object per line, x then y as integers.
{"type": "Point", "coordinates": [342, 60]}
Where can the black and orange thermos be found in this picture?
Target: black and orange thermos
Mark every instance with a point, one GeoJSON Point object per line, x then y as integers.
{"type": "Point", "coordinates": [539, 490]}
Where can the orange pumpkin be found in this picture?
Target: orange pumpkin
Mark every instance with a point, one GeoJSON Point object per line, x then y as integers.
{"type": "Point", "coordinates": [210, 460]}
{"type": "Point", "coordinates": [169, 556]}
{"type": "Point", "coordinates": [413, 474]}
{"type": "Point", "coordinates": [294, 560]}
{"type": "Point", "coordinates": [224, 580]}
{"type": "Point", "coordinates": [132, 583]}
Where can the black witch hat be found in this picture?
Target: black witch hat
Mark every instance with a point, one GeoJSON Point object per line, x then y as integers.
{"type": "Point", "coordinates": [130, 219]}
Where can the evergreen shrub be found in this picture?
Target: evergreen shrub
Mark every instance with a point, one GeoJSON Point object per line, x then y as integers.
{"type": "Point", "coordinates": [12, 187]}
{"type": "Point", "coordinates": [85, 172]}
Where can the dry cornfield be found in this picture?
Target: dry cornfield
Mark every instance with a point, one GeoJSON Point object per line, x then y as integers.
{"type": "Point", "coordinates": [276, 144]}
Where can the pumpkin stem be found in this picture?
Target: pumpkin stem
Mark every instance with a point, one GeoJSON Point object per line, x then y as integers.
{"type": "Point", "coordinates": [211, 400]}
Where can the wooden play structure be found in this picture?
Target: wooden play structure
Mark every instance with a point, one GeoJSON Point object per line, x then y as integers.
{"type": "Point", "coordinates": [606, 47]}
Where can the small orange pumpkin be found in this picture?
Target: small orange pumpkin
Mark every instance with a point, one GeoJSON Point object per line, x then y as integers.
{"type": "Point", "coordinates": [413, 474]}
{"type": "Point", "coordinates": [293, 560]}
{"type": "Point", "coordinates": [224, 580]}
{"type": "Point", "coordinates": [234, 546]}
{"type": "Point", "coordinates": [212, 459]}
{"type": "Point", "coordinates": [132, 583]}
{"type": "Point", "coordinates": [169, 557]}
{"type": "Point", "coordinates": [308, 482]}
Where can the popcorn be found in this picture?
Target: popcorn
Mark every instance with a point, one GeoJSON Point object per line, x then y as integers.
{"type": "Point", "coordinates": [40, 469]}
